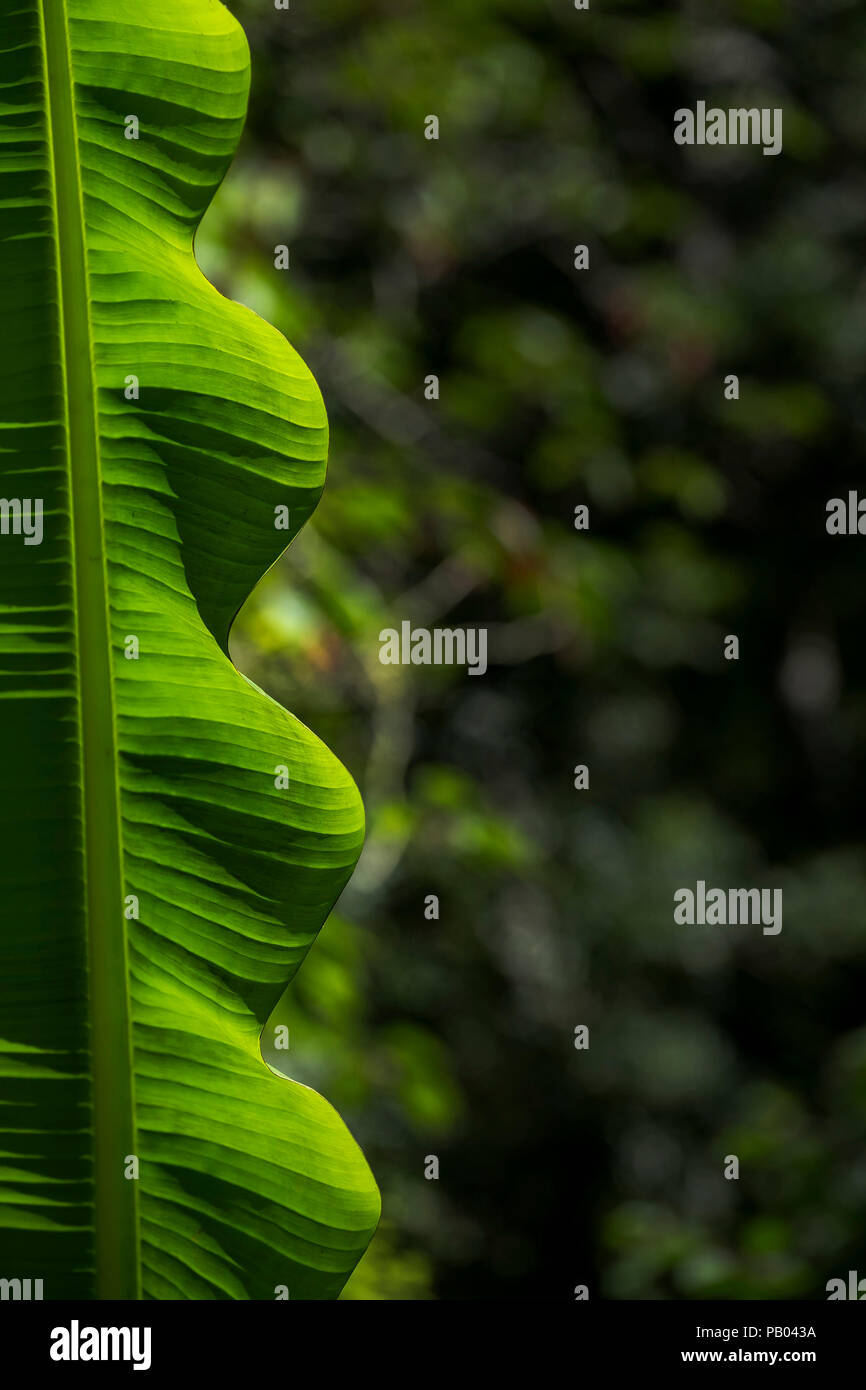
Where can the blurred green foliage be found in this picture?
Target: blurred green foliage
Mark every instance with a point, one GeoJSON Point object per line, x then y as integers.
{"type": "Point", "coordinates": [454, 1037]}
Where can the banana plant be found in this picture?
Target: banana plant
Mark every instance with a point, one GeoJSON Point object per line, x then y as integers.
{"type": "Point", "coordinates": [172, 839]}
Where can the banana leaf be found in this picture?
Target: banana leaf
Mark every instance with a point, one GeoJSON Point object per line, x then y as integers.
{"type": "Point", "coordinates": [172, 839]}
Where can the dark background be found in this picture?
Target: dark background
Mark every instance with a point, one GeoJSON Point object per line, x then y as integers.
{"type": "Point", "coordinates": [707, 517]}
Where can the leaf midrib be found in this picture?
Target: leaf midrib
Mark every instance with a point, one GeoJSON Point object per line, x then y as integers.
{"type": "Point", "coordinates": [115, 1206]}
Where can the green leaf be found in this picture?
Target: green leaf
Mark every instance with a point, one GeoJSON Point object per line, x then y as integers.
{"type": "Point", "coordinates": [159, 888]}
